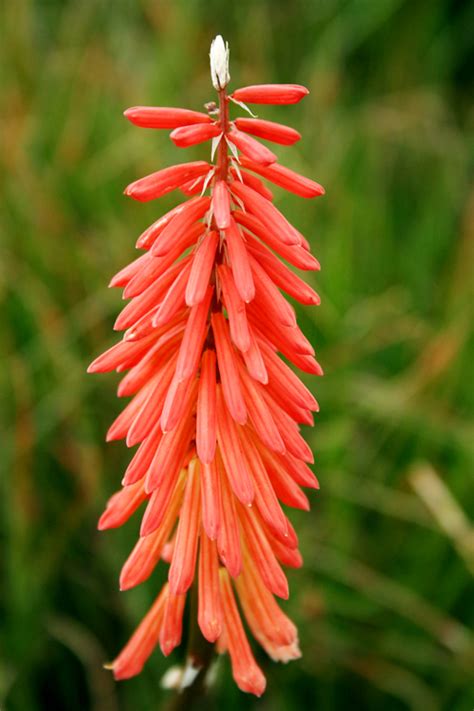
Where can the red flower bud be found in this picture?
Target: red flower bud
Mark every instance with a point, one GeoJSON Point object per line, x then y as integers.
{"type": "Point", "coordinates": [186, 136]}
{"type": "Point", "coordinates": [271, 94]}
{"type": "Point", "coordinates": [276, 132]}
{"type": "Point", "coordinates": [163, 181]}
{"type": "Point", "coordinates": [164, 117]}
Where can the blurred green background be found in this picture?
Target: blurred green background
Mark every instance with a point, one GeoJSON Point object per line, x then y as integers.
{"type": "Point", "coordinates": [385, 602]}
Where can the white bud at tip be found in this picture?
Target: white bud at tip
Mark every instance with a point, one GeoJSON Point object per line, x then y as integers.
{"type": "Point", "coordinates": [219, 56]}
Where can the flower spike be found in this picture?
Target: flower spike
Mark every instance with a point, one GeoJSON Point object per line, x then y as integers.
{"type": "Point", "coordinates": [214, 409]}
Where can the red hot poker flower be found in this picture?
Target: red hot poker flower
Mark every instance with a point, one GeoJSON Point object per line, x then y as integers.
{"type": "Point", "coordinates": [215, 412]}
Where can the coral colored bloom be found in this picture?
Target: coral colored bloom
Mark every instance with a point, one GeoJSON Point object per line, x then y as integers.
{"type": "Point", "coordinates": [215, 412]}
{"type": "Point", "coordinates": [285, 178]}
{"type": "Point", "coordinates": [163, 117]}
{"type": "Point", "coordinates": [275, 132]}
{"type": "Point", "coordinates": [163, 181]}
{"type": "Point", "coordinates": [271, 94]}
{"type": "Point", "coordinates": [186, 136]}
{"type": "Point", "coordinates": [251, 148]}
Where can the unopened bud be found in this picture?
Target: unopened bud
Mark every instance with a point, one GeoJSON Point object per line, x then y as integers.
{"type": "Point", "coordinates": [219, 56]}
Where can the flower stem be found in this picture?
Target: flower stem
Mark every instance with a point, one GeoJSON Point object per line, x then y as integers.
{"type": "Point", "coordinates": [222, 167]}
{"type": "Point", "coordinates": [199, 655]}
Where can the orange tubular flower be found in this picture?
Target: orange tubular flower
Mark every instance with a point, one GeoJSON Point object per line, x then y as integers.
{"type": "Point", "coordinates": [215, 411]}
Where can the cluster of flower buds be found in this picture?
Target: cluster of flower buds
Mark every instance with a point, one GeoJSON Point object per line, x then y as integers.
{"type": "Point", "coordinates": [215, 410]}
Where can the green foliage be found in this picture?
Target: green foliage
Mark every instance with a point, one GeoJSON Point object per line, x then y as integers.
{"type": "Point", "coordinates": [384, 602]}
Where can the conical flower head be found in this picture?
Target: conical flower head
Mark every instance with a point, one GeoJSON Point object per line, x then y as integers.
{"type": "Point", "coordinates": [214, 411]}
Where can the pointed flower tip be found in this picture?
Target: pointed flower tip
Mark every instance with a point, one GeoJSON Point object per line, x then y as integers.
{"type": "Point", "coordinates": [106, 521]}
{"type": "Point", "coordinates": [219, 59]}
{"type": "Point", "coordinates": [124, 585]}
{"type": "Point", "coordinates": [214, 630]}
{"type": "Point", "coordinates": [123, 672]}
{"type": "Point", "coordinates": [252, 682]}
{"type": "Point", "coordinates": [167, 647]}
